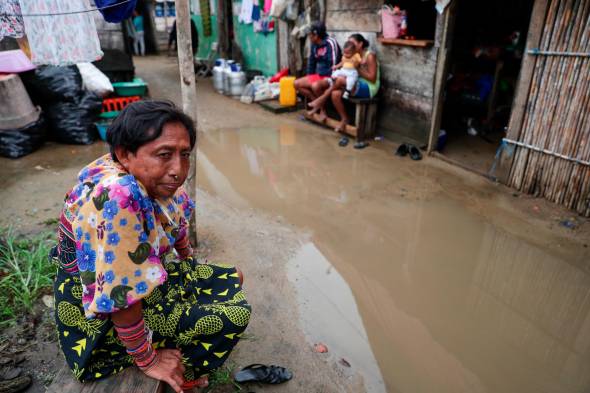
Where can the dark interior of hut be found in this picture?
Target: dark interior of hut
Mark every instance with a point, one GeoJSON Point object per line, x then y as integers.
{"type": "Point", "coordinates": [485, 61]}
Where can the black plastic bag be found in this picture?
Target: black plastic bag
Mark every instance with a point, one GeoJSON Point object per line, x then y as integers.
{"type": "Point", "coordinates": [73, 122]}
{"type": "Point", "coordinates": [49, 84]}
{"type": "Point", "coordinates": [22, 141]}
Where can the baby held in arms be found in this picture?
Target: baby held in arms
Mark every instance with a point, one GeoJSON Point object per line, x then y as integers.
{"type": "Point", "coordinates": [348, 68]}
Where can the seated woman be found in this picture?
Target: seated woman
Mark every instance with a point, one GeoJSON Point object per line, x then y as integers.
{"type": "Point", "coordinates": [128, 290]}
{"type": "Point", "coordinates": [367, 86]}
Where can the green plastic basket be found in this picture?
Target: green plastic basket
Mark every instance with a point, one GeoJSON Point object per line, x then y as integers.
{"type": "Point", "coordinates": [109, 115]}
{"type": "Point", "coordinates": [136, 88]}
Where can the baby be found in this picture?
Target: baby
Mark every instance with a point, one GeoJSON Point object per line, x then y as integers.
{"type": "Point", "coordinates": [348, 67]}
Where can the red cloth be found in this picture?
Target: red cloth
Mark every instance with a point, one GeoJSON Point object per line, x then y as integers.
{"type": "Point", "coordinates": [313, 78]}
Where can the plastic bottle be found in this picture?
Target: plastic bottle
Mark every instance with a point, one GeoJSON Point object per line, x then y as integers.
{"type": "Point", "coordinates": [287, 96]}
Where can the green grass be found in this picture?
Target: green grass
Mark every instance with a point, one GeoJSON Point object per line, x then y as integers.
{"type": "Point", "coordinates": [25, 272]}
{"type": "Point", "coordinates": [222, 377]}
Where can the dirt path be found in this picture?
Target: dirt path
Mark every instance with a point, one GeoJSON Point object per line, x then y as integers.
{"type": "Point", "coordinates": [403, 269]}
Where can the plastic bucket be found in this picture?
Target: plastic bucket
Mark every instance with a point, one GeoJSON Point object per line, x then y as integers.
{"type": "Point", "coordinates": [391, 23]}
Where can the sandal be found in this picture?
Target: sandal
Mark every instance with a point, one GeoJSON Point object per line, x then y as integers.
{"type": "Point", "coordinates": [263, 374]}
{"type": "Point", "coordinates": [414, 153]}
{"type": "Point", "coordinates": [343, 141]}
{"type": "Point", "coordinates": [402, 150]}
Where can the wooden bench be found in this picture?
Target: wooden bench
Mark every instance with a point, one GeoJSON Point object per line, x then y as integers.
{"type": "Point", "coordinates": [129, 381]}
{"type": "Point", "coordinates": [365, 118]}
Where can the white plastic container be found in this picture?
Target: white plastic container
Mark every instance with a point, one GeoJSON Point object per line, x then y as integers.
{"type": "Point", "coordinates": [237, 82]}
{"type": "Point", "coordinates": [227, 70]}
{"type": "Point", "coordinates": [218, 71]}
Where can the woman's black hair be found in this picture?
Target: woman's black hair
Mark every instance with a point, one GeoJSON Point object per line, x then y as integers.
{"type": "Point", "coordinates": [142, 122]}
{"type": "Point", "coordinates": [359, 37]}
{"type": "Point", "coordinates": [319, 28]}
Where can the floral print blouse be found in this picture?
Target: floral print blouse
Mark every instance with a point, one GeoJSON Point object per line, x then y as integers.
{"type": "Point", "coordinates": [123, 236]}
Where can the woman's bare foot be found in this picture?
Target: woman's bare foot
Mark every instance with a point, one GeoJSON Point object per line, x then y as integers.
{"type": "Point", "coordinates": [318, 103]}
{"type": "Point", "coordinates": [342, 126]}
{"type": "Point", "coordinates": [322, 116]}
{"type": "Point", "coordinates": [313, 111]}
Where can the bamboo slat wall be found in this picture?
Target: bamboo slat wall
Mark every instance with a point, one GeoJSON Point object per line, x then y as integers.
{"type": "Point", "coordinates": [557, 116]}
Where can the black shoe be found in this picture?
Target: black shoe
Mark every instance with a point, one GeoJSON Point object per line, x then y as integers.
{"type": "Point", "coordinates": [361, 145]}
{"type": "Point", "coordinates": [343, 141]}
{"type": "Point", "coordinates": [402, 150]}
{"type": "Point", "coordinates": [414, 153]}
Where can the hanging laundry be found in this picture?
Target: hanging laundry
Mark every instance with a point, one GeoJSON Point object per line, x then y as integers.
{"type": "Point", "coordinates": [246, 11]}
{"type": "Point", "coordinates": [256, 13]}
{"type": "Point", "coordinates": [206, 17]}
{"type": "Point", "coordinates": [116, 13]}
{"type": "Point", "coordinates": [267, 6]}
{"type": "Point", "coordinates": [11, 20]}
{"type": "Point", "coordinates": [61, 39]}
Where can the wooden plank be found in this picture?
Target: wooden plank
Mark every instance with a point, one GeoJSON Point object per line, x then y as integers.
{"type": "Point", "coordinates": [523, 88]}
{"type": "Point", "coordinates": [188, 93]}
{"type": "Point", "coordinates": [223, 29]}
{"type": "Point", "coordinates": [130, 380]}
{"type": "Point", "coordinates": [402, 42]}
{"type": "Point", "coordinates": [275, 107]}
{"type": "Point", "coordinates": [332, 123]}
{"type": "Point", "coordinates": [440, 78]}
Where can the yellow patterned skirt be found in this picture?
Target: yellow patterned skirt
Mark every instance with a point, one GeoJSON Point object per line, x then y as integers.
{"type": "Point", "coordinates": [200, 310]}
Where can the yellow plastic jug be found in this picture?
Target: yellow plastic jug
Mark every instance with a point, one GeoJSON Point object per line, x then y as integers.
{"type": "Point", "coordinates": [287, 96]}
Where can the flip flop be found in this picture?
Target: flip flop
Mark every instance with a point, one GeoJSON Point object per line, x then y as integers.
{"type": "Point", "coordinates": [263, 374]}
{"type": "Point", "coordinates": [343, 141]}
{"type": "Point", "coordinates": [361, 145]}
{"type": "Point", "coordinates": [414, 153]}
{"type": "Point", "coordinates": [402, 150]}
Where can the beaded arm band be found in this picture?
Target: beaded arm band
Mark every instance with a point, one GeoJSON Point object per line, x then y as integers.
{"type": "Point", "coordinates": [144, 355]}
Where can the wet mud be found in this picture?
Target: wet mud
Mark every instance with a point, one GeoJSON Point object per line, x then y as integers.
{"type": "Point", "coordinates": [415, 276]}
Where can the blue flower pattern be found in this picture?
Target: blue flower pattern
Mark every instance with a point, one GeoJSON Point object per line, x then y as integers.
{"type": "Point", "coordinates": [106, 248]}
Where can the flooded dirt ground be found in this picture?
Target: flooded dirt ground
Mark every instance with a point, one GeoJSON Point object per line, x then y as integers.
{"type": "Point", "coordinates": [417, 276]}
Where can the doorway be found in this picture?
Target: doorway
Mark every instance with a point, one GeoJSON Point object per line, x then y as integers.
{"type": "Point", "coordinates": [484, 64]}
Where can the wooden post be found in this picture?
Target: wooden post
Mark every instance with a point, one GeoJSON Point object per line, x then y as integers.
{"type": "Point", "coordinates": [504, 166]}
{"type": "Point", "coordinates": [188, 91]}
{"type": "Point", "coordinates": [444, 44]}
{"type": "Point", "coordinates": [223, 29]}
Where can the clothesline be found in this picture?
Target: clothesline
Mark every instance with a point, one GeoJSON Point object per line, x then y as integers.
{"type": "Point", "coordinates": [71, 12]}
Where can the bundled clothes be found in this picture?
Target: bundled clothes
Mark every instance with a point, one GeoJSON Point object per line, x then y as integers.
{"type": "Point", "coordinates": [118, 246]}
{"type": "Point", "coordinates": [60, 39]}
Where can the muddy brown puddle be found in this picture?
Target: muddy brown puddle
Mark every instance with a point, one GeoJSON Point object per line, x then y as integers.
{"type": "Point", "coordinates": [397, 276]}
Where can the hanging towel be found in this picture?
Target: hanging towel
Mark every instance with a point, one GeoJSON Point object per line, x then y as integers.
{"type": "Point", "coordinates": [267, 5]}
{"type": "Point", "coordinates": [246, 11]}
{"type": "Point", "coordinates": [255, 13]}
{"type": "Point", "coordinates": [118, 13]}
{"type": "Point", "coordinates": [61, 39]}
{"type": "Point", "coordinates": [11, 20]}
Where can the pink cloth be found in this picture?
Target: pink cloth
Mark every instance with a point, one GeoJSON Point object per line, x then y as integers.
{"type": "Point", "coordinates": [14, 61]}
{"type": "Point", "coordinates": [267, 5]}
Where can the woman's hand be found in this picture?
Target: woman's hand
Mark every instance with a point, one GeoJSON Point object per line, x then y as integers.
{"type": "Point", "coordinates": [168, 368]}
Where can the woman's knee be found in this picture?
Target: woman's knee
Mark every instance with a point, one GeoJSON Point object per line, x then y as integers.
{"type": "Point", "coordinates": [301, 83]}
